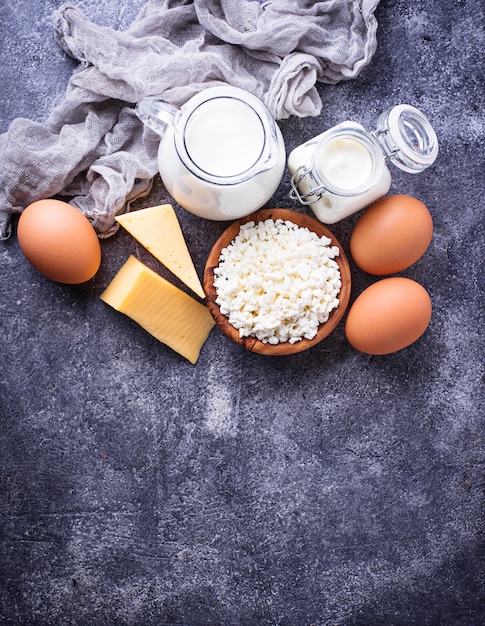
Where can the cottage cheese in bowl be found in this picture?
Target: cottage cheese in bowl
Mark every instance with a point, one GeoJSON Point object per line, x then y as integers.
{"type": "Point", "coordinates": [277, 282]}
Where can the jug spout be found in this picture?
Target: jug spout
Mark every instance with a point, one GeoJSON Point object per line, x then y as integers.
{"type": "Point", "coordinates": [156, 113]}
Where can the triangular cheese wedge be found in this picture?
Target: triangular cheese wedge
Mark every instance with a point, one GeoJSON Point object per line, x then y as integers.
{"type": "Point", "coordinates": [162, 309]}
{"type": "Point", "coordinates": [158, 230]}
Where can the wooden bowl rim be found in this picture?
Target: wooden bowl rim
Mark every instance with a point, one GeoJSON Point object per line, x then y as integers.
{"type": "Point", "coordinates": [251, 343]}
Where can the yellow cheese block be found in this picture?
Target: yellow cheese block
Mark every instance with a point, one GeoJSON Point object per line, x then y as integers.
{"type": "Point", "coordinates": [165, 311]}
{"type": "Point", "coordinates": [158, 230]}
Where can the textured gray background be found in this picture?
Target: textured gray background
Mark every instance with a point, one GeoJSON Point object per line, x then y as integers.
{"type": "Point", "coordinates": [327, 488]}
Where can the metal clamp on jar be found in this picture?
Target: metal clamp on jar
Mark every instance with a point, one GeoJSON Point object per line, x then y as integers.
{"type": "Point", "coordinates": [344, 169]}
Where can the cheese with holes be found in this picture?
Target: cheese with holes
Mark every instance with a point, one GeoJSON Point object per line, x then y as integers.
{"type": "Point", "coordinates": [162, 309]}
{"type": "Point", "coordinates": [158, 230]}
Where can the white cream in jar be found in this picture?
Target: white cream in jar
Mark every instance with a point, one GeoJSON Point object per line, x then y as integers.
{"type": "Point", "coordinates": [344, 169]}
{"type": "Point", "coordinates": [347, 164]}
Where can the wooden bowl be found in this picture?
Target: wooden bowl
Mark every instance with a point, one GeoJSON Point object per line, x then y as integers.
{"type": "Point", "coordinates": [251, 343]}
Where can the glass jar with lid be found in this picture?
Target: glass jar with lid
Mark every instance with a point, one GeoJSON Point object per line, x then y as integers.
{"type": "Point", "coordinates": [344, 169]}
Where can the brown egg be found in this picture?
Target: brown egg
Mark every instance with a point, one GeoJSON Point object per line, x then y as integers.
{"type": "Point", "coordinates": [59, 241]}
{"type": "Point", "coordinates": [388, 316]}
{"type": "Point", "coordinates": [391, 235]}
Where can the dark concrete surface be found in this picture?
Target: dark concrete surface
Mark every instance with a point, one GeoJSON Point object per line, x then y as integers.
{"type": "Point", "coordinates": [326, 488]}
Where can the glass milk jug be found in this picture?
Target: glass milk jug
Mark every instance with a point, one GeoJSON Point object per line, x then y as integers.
{"type": "Point", "coordinates": [344, 169]}
{"type": "Point", "coordinates": [221, 154]}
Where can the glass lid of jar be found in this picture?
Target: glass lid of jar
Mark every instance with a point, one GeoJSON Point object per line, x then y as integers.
{"type": "Point", "coordinates": [407, 138]}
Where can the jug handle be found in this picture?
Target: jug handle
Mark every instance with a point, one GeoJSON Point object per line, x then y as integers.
{"type": "Point", "coordinates": [156, 113]}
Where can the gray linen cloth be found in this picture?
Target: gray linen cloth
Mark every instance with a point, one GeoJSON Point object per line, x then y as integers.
{"type": "Point", "coordinates": [93, 149]}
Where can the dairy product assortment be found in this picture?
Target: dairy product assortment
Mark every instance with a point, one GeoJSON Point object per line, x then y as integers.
{"type": "Point", "coordinates": [276, 281]}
